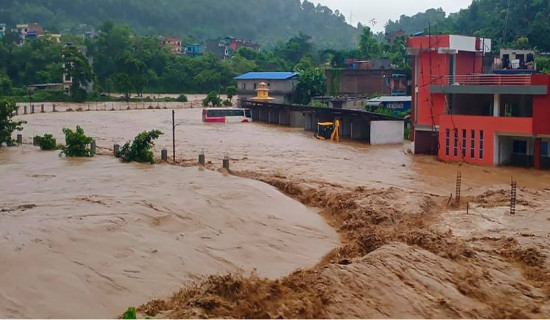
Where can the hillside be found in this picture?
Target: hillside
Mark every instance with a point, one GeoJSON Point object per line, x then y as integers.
{"type": "Point", "coordinates": [503, 21]}
{"type": "Point", "coordinates": [265, 21]}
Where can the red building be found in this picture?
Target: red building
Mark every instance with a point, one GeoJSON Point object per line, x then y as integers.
{"type": "Point", "coordinates": [463, 114]}
{"type": "Point", "coordinates": [174, 44]}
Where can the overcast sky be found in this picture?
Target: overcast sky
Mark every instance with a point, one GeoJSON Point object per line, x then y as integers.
{"type": "Point", "coordinates": [381, 11]}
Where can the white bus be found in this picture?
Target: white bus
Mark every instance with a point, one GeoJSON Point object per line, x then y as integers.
{"type": "Point", "coordinates": [226, 115]}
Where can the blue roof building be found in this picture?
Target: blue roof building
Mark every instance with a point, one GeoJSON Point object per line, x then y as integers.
{"type": "Point", "coordinates": [280, 84]}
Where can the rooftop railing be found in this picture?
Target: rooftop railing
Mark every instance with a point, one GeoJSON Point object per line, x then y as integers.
{"type": "Point", "coordinates": [483, 80]}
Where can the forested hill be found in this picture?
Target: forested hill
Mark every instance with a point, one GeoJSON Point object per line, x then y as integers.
{"type": "Point", "coordinates": [265, 21]}
{"type": "Point", "coordinates": [504, 21]}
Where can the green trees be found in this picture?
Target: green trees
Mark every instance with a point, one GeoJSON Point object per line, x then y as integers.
{"type": "Point", "coordinates": [231, 91]}
{"type": "Point", "coordinates": [46, 142]}
{"type": "Point", "coordinates": [140, 149]}
{"type": "Point", "coordinates": [212, 99]}
{"type": "Point", "coordinates": [77, 144]}
{"type": "Point", "coordinates": [78, 68]}
{"type": "Point", "coordinates": [7, 125]}
{"type": "Point", "coordinates": [312, 83]}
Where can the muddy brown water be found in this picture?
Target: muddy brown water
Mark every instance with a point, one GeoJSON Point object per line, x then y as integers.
{"type": "Point", "coordinates": [87, 238]}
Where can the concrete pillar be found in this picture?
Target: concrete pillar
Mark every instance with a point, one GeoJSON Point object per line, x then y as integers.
{"type": "Point", "coordinates": [116, 149]}
{"type": "Point", "coordinates": [297, 119]}
{"type": "Point", "coordinates": [32, 108]}
{"type": "Point", "coordinates": [42, 108]}
{"type": "Point", "coordinates": [53, 108]}
{"type": "Point", "coordinates": [346, 127]}
{"type": "Point", "coordinates": [255, 114]}
{"type": "Point", "coordinates": [356, 129]}
{"type": "Point", "coordinates": [24, 109]}
{"type": "Point", "coordinates": [93, 146]}
{"type": "Point", "coordinates": [164, 155]}
{"type": "Point", "coordinates": [284, 118]}
{"type": "Point", "coordinates": [308, 124]}
{"type": "Point", "coordinates": [538, 144]}
{"type": "Point", "coordinates": [19, 139]}
{"type": "Point", "coordinates": [496, 105]}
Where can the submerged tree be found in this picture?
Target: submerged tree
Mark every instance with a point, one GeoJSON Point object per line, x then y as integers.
{"type": "Point", "coordinates": [140, 149]}
{"type": "Point", "coordinates": [7, 125]}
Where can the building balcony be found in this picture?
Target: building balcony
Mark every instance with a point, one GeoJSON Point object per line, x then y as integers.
{"type": "Point", "coordinates": [486, 84]}
{"type": "Point", "coordinates": [499, 125]}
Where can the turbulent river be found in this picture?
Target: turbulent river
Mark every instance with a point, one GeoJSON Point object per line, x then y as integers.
{"type": "Point", "coordinates": [90, 237]}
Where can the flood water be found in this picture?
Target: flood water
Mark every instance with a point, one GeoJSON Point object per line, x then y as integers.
{"type": "Point", "coordinates": [289, 152]}
{"type": "Point", "coordinates": [90, 237]}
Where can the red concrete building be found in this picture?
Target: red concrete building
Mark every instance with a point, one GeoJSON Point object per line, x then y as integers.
{"type": "Point", "coordinates": [174, 44]}
{"type": "Point", "coordinates": [463, 114]}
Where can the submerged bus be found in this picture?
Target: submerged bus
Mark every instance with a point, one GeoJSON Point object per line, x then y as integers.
{"type": "Point", "coordinates": [226, 115]}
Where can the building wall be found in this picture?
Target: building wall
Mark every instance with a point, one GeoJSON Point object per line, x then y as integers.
{"type": "Point", "coordinates": [387, 132]}
{"type": "Point", "coordinates": [541, 106]}
{"type": "Point", "coordinates": [491, 126]}
{"type": "Point", "coordinates": [359, 82]}
{"type": "Point", "coordinates": [280, 90]}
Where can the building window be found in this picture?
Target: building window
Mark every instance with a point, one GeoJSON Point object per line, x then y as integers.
{"type": "Point", "coordinates": [520, 147]}
{"type": "Point", "coordinates": [481, 136]}
{"type": "Point", "coordinates": [463, 143]}
{"type": "Point", "coordinates": [456, 143]}
{"type": "Point", "coordinates": [473, 144]}
{"type": "Point", "coordinates": [544, 149]}
{"type": "Point", "coordinates": [447, 141]}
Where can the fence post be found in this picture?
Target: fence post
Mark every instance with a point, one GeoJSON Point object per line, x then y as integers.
{"type": "Point", "coordinates": [42, 108]}
{"type": "Point", "coordinates": [53, 107]}
{"type": "Point", "coordinates": [116, 149]}
{"type": "Point", "coordinates": [24, 109]}
{"type": "Point", "coordinates": [201, 158]}
{"type": "Point", "coordinates": [164, 155]}
{"type": "Point", "coordinates": [19, 139]}
{"type": "Point", "coordinates": [32, 108]}
{"type": "Point", "coordinates": [93, 146]}
{"type": "Point", "coordinates": [226, 162]}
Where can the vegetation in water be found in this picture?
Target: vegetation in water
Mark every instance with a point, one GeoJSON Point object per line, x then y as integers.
{"type": "Point", "coordinates": [7, 125]}
{"type": "Point", "coordinates": [46, 142]}
{"type": "Point", "coordinates": [130, 313]}
{"type": "Point", "coordinates": [212, 99]}
{"type": "Point", "coordinates": [77, 144]}
{"type": "Point", "coordinates": [140, 149]}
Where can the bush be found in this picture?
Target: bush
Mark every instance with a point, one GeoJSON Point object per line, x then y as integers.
{"type": "Point", "coordinates": [7, 126]}
{"type": "Point", "coordinates": [227, 103]}
{"type": "Point", "coordinates": [47, 142]}
{"type": "Point", "coordinates": [130, 313]}
{"type": "Point", "coordinates": [76, 143]}
{"type": "Point", "coordinates": [212, 98]}
{"type": "Point", "coordinates": [140, 149]}
{"type": "Point", "coordinates": [182, 98]}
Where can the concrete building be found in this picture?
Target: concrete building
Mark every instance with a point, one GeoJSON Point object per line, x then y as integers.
{"type": "Point", "coordinates": [280, 84]}
{"type": "Point", "coordinates": [172, 43]}
{"type": "Point", "coordinates": [28, 32]}
{"type": "Point", "coordinates": [2, 30]}
{"type": "Point", "coordinates": [224, 48]}
{"type": "Point", "coordinates": [463, 114]}
{"type": "Point", "coordinates": [194, 50]}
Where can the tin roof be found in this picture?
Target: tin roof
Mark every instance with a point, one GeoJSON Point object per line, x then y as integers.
{"type": "Point", "coordinates": [267, 76]}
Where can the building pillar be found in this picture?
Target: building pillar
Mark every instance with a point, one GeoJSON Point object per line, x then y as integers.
{"type": "Point", "coordinates": [496, 105]}
{"type": "Point", "coordinates": [538, 143]}
{"type": "Point", "coordinates": [356, 129]}
{"type": "Point", "coordinates": [346, 127]}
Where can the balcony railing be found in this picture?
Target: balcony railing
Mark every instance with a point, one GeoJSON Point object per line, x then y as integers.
{"type": "Point", "coordinates": [483, 80]}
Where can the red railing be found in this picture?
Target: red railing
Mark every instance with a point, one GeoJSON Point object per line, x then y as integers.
{"type": "Point", "coordinates": [483, 80]}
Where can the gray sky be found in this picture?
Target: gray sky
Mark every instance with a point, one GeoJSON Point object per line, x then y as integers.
{"type": "Point", "coordinates": [381, 11]}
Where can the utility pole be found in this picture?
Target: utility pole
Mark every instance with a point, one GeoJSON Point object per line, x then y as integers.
{"type": "Point", "coordinates": [174, 135]}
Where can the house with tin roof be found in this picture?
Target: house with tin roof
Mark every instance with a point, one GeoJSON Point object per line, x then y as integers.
{"type": "Point", "coordinates": [281, 85]}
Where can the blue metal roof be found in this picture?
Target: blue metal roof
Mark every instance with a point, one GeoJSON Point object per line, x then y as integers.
{"type": "Point", "coordinates": [267, 76]}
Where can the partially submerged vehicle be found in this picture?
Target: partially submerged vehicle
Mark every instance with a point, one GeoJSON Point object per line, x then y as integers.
{"type": "Point", "coordinates": [328, 131]}
{"type": "Point", "coordinates": [226, 115]}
